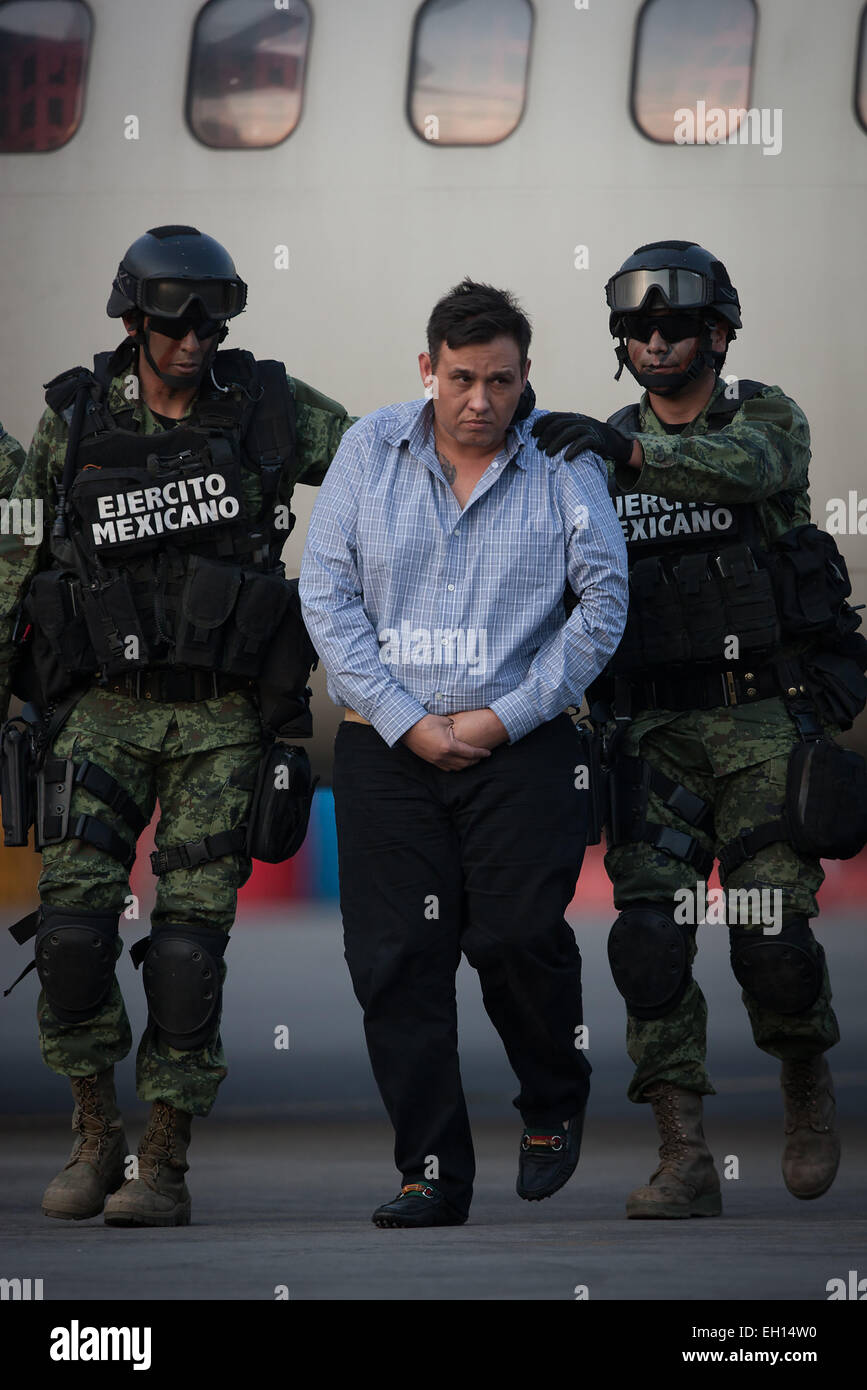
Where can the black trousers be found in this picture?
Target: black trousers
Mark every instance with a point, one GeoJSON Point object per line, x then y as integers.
{"type": "Point", "coordinates": [482, 861]}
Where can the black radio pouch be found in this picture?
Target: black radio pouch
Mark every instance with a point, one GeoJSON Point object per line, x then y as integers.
{"type": "Point", "coordinates": [748, 601]}
{"type": "Point", "coordinates": [663, 637]}
{"type": "Point", "coordinates": [113, 624]}
{"type": "Point", "coordinates": [703, 614]}
{"type": "Point", "coordinates": [280, 809]}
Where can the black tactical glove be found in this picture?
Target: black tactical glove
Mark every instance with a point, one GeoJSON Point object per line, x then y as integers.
{"type": "Point", "coordinates": [561, 428]}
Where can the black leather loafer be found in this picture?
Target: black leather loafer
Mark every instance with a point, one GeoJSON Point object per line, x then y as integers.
{"type": "Point", "coordinates": [548, 1158]}
{"type": "Point", "coordinates": [417, 1205]}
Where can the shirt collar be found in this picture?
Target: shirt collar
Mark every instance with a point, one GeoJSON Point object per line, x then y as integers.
{"type": "Point", "coordinates": [416, 430]}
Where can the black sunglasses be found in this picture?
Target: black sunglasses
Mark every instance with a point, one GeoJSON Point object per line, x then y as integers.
{"type": "Point", "coordinates": [672, 327]}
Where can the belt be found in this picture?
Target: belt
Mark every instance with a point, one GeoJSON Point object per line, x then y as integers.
{"type": "Point", "coordinates": [355, 718]}
{"type": "Point", "coordinates": [175, 686]}
{"type": "Point", "coordinates": [712, 691]}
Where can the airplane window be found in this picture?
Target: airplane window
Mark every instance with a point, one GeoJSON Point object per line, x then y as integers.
{"type": "Point", "coordinates": [689, 52]}
{"type": "Point", "coordinates": [246, 78]}
{"type": "Point", "coordinates": [44, 48]}
{"type": "Point", "coordinates": [468, 73]}
{"type": "Point", "coordinates": [861, 73]}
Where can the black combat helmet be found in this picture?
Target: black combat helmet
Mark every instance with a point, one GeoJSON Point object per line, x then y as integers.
{"type": "Point", "coordinates": [169, 268]}
{"type": "Point", "coordinates": [179, 278]}
{"type": "Point", "coordinates": [684, 277]}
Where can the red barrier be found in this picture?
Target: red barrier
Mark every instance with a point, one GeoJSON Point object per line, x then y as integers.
{"type": "Point", "coordinates": [845, 880]}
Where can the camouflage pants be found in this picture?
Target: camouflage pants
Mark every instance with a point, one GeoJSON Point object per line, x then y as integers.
{"type": "Point", "coordinates": [735, 759]}
{"type": "Point", "coordinates": [199, 760]}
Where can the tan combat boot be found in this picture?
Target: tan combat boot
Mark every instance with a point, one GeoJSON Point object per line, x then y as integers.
{"type": "Point", "coordinates": [686, 1182]}
{"type": "Point", "coordinates": [812, 1152]}
{"type": "Point", "coordinates": [158, 1196]}
{"type": "Point", "coordinates": [95, 1165]}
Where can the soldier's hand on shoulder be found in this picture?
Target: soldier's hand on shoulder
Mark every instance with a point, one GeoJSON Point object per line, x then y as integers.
{"type": "Point", "coordinates": [563, 430]}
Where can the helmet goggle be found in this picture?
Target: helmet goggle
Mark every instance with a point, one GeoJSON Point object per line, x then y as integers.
{"type": "Point", "coordinates": [172, 299]}
{"type": "Point", "coordinates": [680, 289]}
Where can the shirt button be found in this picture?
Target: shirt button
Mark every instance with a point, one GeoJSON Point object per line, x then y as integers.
{"type": "Point", "coordinates": [495, 465]}
{"type": "Point", "coordinates": [450, 587]}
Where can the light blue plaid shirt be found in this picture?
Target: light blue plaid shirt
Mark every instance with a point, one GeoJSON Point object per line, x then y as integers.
{"type": "Point", "coordinates": [417, 607]}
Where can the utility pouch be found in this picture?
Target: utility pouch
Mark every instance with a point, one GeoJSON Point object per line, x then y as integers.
{"type": "Point", "coordinates": [114, 626]}
{"type": "Point", "coordinates": [589, 757]}
{"type": "Point", "coordinates": [62, 649]}
{"type": "Point", "coordinates": [703, 614]}
{"type": "Point", "coordinates": [836, 681]}
{"type": "Point", "coordinates": [811, 583]}
{"type": "Point", "coordinates": [664, 638]}
{"type": "Point", "coordinates": [748, 600]}
{"type": "Point", "coordinates": [826, 800]}
{"type": "Point", "coordinates": [283, 689]}
{"type": "Point", "coordinates": [17, 782]}
{"type": "Point", "coordinates": [280, 809]}
{"type": "Point", "coordinates": [257, 614]}
{"type": "Point", "coordinates": [208, 597]}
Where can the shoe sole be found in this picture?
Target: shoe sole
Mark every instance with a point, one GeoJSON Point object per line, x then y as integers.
{"type": "Point", "coordinates": [60, 1214]}
{"type": "Point", "coordinates": [401, 1224]}
{"type": "Point", "coordinates": [702, 1206]}
{"type": "Point", "coordinates": [811, 1196]}
{"type": "Point", "coordinates": [178, 1217]}
{"type": "Point", "coordinates": [541, 1196]}
{"type": "Point", "coordinates": [72, 1215]}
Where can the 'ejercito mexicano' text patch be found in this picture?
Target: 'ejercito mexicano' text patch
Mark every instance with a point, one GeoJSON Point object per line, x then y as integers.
{"type": "Point", "coordinates": [153, 511]}
{"type": "Point", "coordinates": [647, 518]}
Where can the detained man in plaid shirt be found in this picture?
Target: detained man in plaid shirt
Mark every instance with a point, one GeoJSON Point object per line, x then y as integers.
{"type": "Point", "coordinates": [433, 581]}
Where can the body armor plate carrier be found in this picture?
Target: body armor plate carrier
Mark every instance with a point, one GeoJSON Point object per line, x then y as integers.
{"type": "Point", "coordinates": [159, 556]}
{"type": "Point", "coordinates": [701, 574]}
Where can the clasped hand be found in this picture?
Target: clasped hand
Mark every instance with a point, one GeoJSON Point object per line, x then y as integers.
{"type": "Point", "coordinates": [455, 741]}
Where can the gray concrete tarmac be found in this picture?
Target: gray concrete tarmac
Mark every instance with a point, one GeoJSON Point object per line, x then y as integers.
{"type": "Point", "coordinates": [288, 1203]}
{"type": "Point", "coordinates": [296, 1155]}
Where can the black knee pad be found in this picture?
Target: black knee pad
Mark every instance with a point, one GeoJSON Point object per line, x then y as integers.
{"type": "Point", "coordinates": [783, 972]}
{"type": "Point", "coordinates": [649, 958]}
{"type": "Point", "coordinates": [75, 959]}
{"type": "Point", "coordinates": [182, 981]}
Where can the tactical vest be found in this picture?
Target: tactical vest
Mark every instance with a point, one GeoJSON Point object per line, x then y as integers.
{"type": "Point", "coordinates": [166, 549]}
{"type": "Point", "coordinates": [700, 574]}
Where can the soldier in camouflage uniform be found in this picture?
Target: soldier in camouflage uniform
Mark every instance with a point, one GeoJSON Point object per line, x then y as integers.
{"type": "Point", "coordinates": [11, 458]}
{"type": "Point", "coordinates": [180, 722]}
{"type": "Point", "coordinates": [707, 477]}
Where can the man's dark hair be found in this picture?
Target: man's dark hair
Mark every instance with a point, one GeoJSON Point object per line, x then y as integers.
{"type": "Point", "coordinates": [473, 313]}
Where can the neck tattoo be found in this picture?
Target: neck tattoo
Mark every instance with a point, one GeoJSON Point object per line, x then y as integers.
{"type": "Point", "coordinates": [449, 470]}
